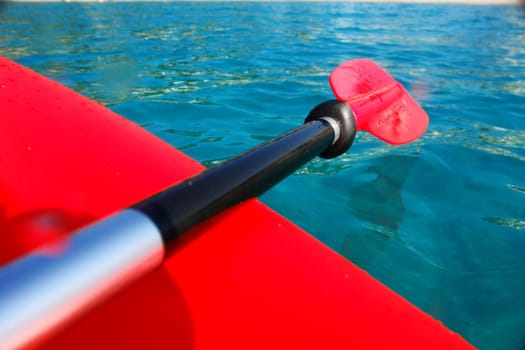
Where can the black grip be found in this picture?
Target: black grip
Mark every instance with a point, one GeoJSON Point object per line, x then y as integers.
{"type": "Point", "coordinates": [248, 175]}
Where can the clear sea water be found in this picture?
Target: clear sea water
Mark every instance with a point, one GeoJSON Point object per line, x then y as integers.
{"type": "Point", "coordinates": [441, 220]}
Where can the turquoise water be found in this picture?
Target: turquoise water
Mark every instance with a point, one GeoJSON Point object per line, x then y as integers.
{"type": "Point", "coordinates": [441, 220]}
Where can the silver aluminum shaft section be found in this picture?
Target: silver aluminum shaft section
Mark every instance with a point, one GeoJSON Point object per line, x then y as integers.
{"type": "Point", "coordinates": [45, 289]}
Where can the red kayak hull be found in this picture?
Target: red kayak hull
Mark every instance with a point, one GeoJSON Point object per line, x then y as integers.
{"type": "Point", "coordinates": [245, 279]}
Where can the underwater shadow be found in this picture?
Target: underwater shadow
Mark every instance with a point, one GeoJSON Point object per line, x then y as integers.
{"type": "Point", "coordinates": [379, 204]}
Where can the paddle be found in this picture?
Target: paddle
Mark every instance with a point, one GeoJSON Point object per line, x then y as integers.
{"type": "Point", "coordinates": [40, 291]}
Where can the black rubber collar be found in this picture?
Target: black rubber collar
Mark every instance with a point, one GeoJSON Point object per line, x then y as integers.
{"type": "Point", "coordinates": [342, 114]}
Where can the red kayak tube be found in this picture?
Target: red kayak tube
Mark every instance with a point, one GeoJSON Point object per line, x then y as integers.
{"type": "Point", "coordinates": [244, 279]}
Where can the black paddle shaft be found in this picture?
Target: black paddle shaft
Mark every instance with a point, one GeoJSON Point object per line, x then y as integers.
{"type": "Point", "coordinates": [329, 130]}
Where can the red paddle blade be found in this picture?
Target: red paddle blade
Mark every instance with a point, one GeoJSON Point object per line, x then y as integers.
{"type": "Point", "coordinates": [380, 104]}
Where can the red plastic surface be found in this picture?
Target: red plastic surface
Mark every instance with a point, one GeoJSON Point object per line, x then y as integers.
{"type": "Point", "coordinates": [380, 104]}
{"type": "Point", "coordinates": [245, 279]}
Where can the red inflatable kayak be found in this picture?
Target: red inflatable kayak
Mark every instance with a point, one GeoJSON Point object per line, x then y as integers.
{"type": "Point", "coordinates": [245, 279]}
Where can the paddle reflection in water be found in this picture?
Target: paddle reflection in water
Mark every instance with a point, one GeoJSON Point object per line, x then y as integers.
{"type": "Point", "coordinates": [379, 204]}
